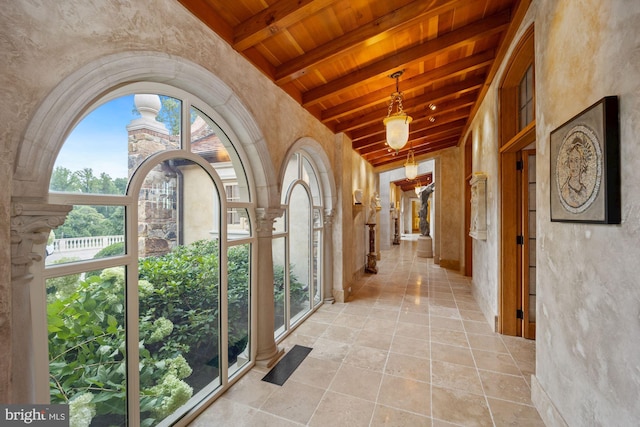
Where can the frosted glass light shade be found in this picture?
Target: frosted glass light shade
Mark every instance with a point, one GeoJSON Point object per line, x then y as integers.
{"type": "Point", "coordinates": [411, 170]}
{"type": "Point", "coordinates": [397, 130]}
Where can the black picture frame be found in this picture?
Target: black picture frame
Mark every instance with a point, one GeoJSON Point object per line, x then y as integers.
{"type": "Point", "coordinates": [585, 166]}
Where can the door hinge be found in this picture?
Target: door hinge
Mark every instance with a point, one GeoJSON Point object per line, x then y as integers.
{"type": "Point", "coordinates": [519, 240]}
{"type": "Point", "coordinates": [519, 165]}
{"type": "Point", "coordinates": [519, 314]}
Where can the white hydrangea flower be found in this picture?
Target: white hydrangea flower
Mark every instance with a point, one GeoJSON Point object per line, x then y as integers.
{"type": "Point", "coordinates": [163, 327]}
{"type": "Point", "coordinates": [81, 410]}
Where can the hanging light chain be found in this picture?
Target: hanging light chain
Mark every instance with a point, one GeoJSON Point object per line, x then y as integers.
{"type": "Point", "coordinates": [397, 95]}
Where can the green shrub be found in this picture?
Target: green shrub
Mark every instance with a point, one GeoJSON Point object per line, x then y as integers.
{"type": "Point", "coordinates": [178, 328]}
{"type": "Point", "coordinates": [111, 250]}
{"type": "Point", "coordinates": [87, 354]}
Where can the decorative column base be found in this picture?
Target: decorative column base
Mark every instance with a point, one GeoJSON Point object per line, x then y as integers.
{"type": "Point", "coordinates": [268, 360]}
{"type": "Point", "coordinates": [425, 247]}
{"type": "Point", "coordinates": [371, 263]}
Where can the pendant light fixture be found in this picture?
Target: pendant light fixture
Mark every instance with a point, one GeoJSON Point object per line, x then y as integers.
{"type": "Point", "coordinates": [411, 167]}
{"type": "Point", "coordinates": [397, 123]}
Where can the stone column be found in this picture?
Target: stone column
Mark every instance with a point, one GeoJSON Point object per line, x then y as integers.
{"type": "Point", "coordinates": [267, 350]}
{"type": "Point", "coordinates": [327, 262]}
{"type": "Point", "coordinates": [31, 223]}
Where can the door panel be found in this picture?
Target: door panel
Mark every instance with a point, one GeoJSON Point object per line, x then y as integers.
{"type": "Point", "coordinates": [529, 247]}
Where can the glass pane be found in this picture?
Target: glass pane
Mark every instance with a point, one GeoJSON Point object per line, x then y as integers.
{"type": "Point", "coordinates": [532, 224]}
{"type": "Point", "coordinates": [95, 157]}
{"type": "Point", "coordinates": [290, 175]}
{"type": "Point", "coordinates": [522, 114]}
{"type": "Point", "coordinates": [309, 176]}
{"type": "Point", "coordinates": [523, 92]}
{"type": "Point", "coordinates": [532, 252]}
{"type": "Point", "coordinates": [279, 262]}
{"type": "Point", "coordinates": [317, 273]}
{"type": "Point", "coordinates": [157, 129]}
{"type": "Point", "coordinates": [532, 196]}
{"type": "Point", "coordinates": [299, 252]}
{"type": "Point", "coordinates": [532, 168]}
{"type": "Point", "coordinates": [213, 145]}
{"type": "Point", "coordinates": [89, 232]}
{"type": "Point", "coordinates": [238, 293]}
{"type": "Point", "coordinates": [86, 328]}
{"type": "Point", "coordinates": [179, 292]}
{"type": "Point", "coordinates": [532, 309]}
{"type": "Point", "coordinates": [238, 226]}
{"type": "Point", "coordinates": [532, 280]}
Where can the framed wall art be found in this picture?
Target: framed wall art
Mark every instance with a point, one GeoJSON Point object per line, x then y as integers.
{"type": "Point", "coordinates": [585, 166]}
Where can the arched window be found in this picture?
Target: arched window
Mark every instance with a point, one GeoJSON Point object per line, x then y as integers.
{"type": "Point", "coordinates": [148, 281]}
{"type": "Point", "coordinates": [297, 245]}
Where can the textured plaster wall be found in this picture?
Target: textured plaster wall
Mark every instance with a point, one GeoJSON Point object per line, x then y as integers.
{"type": "Point", "coordinates": [588, 329]}
{"type": "Point", "coordinates": [5, 268]}
{"type": "Point", "coordinates": [484, 153]}
{"type": "Point", "coordinates": [449, 211]}
{"type": "Point", "coordinates": [352, 245]}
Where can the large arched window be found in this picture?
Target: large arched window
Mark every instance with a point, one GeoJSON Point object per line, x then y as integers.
{"type": "Point", "coordinates": [297, 245]}
{"type": "Point", "coordinates": [148, 282]}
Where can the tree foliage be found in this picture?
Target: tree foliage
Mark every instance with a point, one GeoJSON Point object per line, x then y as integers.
{"type": "Point", "coordinates": [86, 220]}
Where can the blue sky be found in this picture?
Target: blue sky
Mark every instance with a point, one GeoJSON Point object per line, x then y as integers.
{"type": "Point", "coordinates": [99, 141]}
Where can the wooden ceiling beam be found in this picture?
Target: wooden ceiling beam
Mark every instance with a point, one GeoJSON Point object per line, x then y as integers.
{"type": "Point", "coordinates": [410, 184]}
{"type": "Point", "coordinates": [453, 69]}
{"type": "Point", "coordinates": [421, 52]}
{"type": "Point", "coordinates": [415, 142]}
{"type": "Point", "coordinates": [202, 10]}
{"type": "Point", "coordinates": [434, 97]}
{"type": "Point", "coordinates": [383, 149]}
{"type": "Point", "coordinates": [400, 159]}
{"type": "Point", "coordinates": [397, 19]}
{"type": "Point", "coordinates": [378, 131]}
{"type": "Point", "coordinates": [519, 11]}
{"type": "Point", "coordinates": [273, 19]}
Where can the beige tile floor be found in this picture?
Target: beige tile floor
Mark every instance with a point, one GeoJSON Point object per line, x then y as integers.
{"type": "Point", "coordinates": [411, 348]}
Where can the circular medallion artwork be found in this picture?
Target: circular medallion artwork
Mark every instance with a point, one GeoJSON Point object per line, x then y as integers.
{"type": "Point", "coordinates": [579, 169]}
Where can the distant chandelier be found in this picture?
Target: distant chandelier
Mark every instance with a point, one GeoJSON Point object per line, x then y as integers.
{"type": "Point", "coordinates": [418, 189]}
{"type": "Point", "coordinates": [397, 124]}
{"type": "Point", "coordinates": [411, 167]}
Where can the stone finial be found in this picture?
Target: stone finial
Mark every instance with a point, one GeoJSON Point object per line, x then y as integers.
{"type": "Point", "coordinates": [148, 105]}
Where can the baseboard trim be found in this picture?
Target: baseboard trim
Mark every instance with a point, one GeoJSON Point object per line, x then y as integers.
{"type": "Point", "coordinates": [547, 410]}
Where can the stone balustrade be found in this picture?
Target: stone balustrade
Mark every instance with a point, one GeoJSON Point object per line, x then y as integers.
{"type": "Point", "coordinates": [84, 243]}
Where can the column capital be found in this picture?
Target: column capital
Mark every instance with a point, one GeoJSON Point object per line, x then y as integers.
{"type": "Point", "coordinates": [265, 218]}
{"type": "Point", "coordinates": [31, 222]}
{"type": "Point", "coordinates": [328, 217]}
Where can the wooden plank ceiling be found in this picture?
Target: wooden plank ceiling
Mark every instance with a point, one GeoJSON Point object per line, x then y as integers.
{"type": "Point", "coordinates": [335, 57]}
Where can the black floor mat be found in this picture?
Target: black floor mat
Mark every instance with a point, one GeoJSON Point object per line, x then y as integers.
{"type": "Point", "coordinates": [285, 367]}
